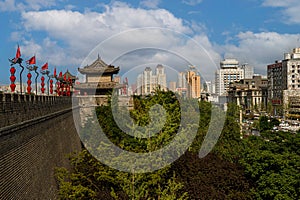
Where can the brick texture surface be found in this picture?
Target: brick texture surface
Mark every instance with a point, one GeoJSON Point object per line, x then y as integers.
{"type": "Point", "coordinates": [29, 154]}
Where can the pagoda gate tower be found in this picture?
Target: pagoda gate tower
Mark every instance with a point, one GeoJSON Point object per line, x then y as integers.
{"type": "Point", "coordinates": [98, 82]}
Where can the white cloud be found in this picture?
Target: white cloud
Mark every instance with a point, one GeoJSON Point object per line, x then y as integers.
{"type": "Point", "coordinates": [71, 35]}
{"type": "Point", "coordinates": [7, 5]}
{"type": "Point", "coordinates": [279, 3]}
{"type": "Point", "coordinates": [80, 32]}
{"type": "Point", "coordinates": [192, 2]}
{"type": "Point", "coordinates": [12, 5]}
{"type": "Point", "coordinates": [290, 9]}
{"type": "Point", "coordinates": [150, 3]}
{"type": "Point", "coordinates": [260, 49]}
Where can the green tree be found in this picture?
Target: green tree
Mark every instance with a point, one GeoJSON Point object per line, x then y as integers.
{"type": "Point", "coordinates": [264, 123]}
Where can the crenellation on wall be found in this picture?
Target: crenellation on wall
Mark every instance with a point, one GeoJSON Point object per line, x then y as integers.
{"type": "Point", "coordinates": [15, 108]}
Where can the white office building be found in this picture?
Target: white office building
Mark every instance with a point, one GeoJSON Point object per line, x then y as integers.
{"type": "Point", "coordinates": [229, 72]}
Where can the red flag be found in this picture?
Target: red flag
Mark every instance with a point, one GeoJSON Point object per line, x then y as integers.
{"type": "Point", "coordinates": [45, 66]}
{"type": "Point", "coordinates": [18, 54]}
{"type": "Point", "coordinates": [60, 74]}
{"type": "Point", "coordinates": [31, 61]}
{"type": "Point", "coordinates": [54, 73]}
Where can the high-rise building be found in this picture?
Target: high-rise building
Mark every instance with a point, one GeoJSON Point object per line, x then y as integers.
{"type": "Point", "coordinates": [210, 87]}
{"type": "Point", "coordinates": [172, 86]}
{"type": "Point", "coordinates": [193, 83]}
{"type": "Point", "coordinates": [284, 83]}
{"type": "Point", "coordinates": [248, 71]}
{"type": "Point", "coordinates": [275, 82]}
{"type": "Point", "coordinates": [181, 80]}
{"type": "Point", "coordinates": [284, 75]}
{"type": "Point", "coordinates": [161, 78]}
{"type": "Point", "coordinates": [229, 72]}
{"type": "Point", "coordinates": [139, 84]}
{"type": "Point", "coordinates": [181, 84]}
{"type": "Point", "coordinates": [147, 82]}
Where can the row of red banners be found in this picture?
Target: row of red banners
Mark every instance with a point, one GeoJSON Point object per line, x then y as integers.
{"type": "Point", "coordinates": [63, 86]}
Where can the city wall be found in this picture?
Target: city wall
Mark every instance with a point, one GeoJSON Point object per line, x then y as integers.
{"type": "Point", "coordinates": [16, 108]}
{"type": "Point", "coordinates": [36, 135]}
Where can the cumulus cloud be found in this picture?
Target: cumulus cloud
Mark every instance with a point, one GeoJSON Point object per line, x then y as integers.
{"type": "Point", "coordinates": [46, 51]}
{"type": "Point", "coordinates": [8, 5]}
{"type": "Point", "coordinates": [12, 5]}
{"type": "Point", "coordinates": [122, 39]}
{"type": "Point", "coordinates": [290, 9]}
{"type": "Point", "coordinates": [260, 49]}
{"type": "Point", "coordinates": [81, 32]}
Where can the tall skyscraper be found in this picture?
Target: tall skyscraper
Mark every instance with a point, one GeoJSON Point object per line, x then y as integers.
{"type": "Point", "coordinates": [181, 80]}
{"type": "Point", "coordinates": [172, 86]}
{"type": "Point", "coordinates": [147, 82]}
{"type": "Point", "coordinates": [161, 77]}
{"type": "Point", "coordinates": [248, 71]}
{"type": "Point", "coordinates": [193, 83]}
{"type": "Point", "coordinates": [229, 72]}
{"type": "Point", "coordinates": [139, 84]}
{"type": "Point", "coordinates": [284, 75]}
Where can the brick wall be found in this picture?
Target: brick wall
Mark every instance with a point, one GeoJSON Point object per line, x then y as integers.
{"type": "Point", "coordinates": [30, 151]}
{"type": "Point", "coordinates": [16, 108]}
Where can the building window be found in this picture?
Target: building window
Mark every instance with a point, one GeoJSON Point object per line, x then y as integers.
{"type": "Point", "coordinates": [293, 66]}
{"type": "Point", "coordinates": [293, 71]}
{"type": "Point", "coordinates": [293, 81]}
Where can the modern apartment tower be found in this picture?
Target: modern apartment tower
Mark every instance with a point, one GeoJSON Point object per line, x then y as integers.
{"type": "Point", "coordinates": [147, 82]}
{"type": "Point", "coordinates": [193, 83]}
{"type": "Point", "coordinates": [229, 72]}
{"type": "Point", "coordinates": [284, 83]}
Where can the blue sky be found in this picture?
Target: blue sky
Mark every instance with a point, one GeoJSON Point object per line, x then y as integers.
{"type": "Point", "coordinates": [64, 33]}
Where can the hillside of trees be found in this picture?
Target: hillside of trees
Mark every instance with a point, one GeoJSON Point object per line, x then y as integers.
{"type": "Point", "coordinates": [265, 167]}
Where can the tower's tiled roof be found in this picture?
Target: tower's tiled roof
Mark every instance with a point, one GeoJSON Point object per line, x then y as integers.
{"type": "Point", "coordinates": [99, 67]}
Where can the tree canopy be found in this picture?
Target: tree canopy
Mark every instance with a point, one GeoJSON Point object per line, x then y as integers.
{"type": "Point", "coordinates": [256, 167]}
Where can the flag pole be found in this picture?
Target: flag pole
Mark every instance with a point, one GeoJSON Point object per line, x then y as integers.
{"type": "Point", "coordinates": [47, 73]}
{"type": "Point", "coordinates": [37, 75]}
{"type": "Point", "coordinates": [21, 87]}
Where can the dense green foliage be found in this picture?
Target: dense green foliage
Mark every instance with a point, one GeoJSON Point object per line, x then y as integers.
{"type": "Point", "coordinates": [265, 167]}
{"type": "Point", "coordinates": [273, 163]}
{"type": "Point", "coordinates": [267, 124]}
